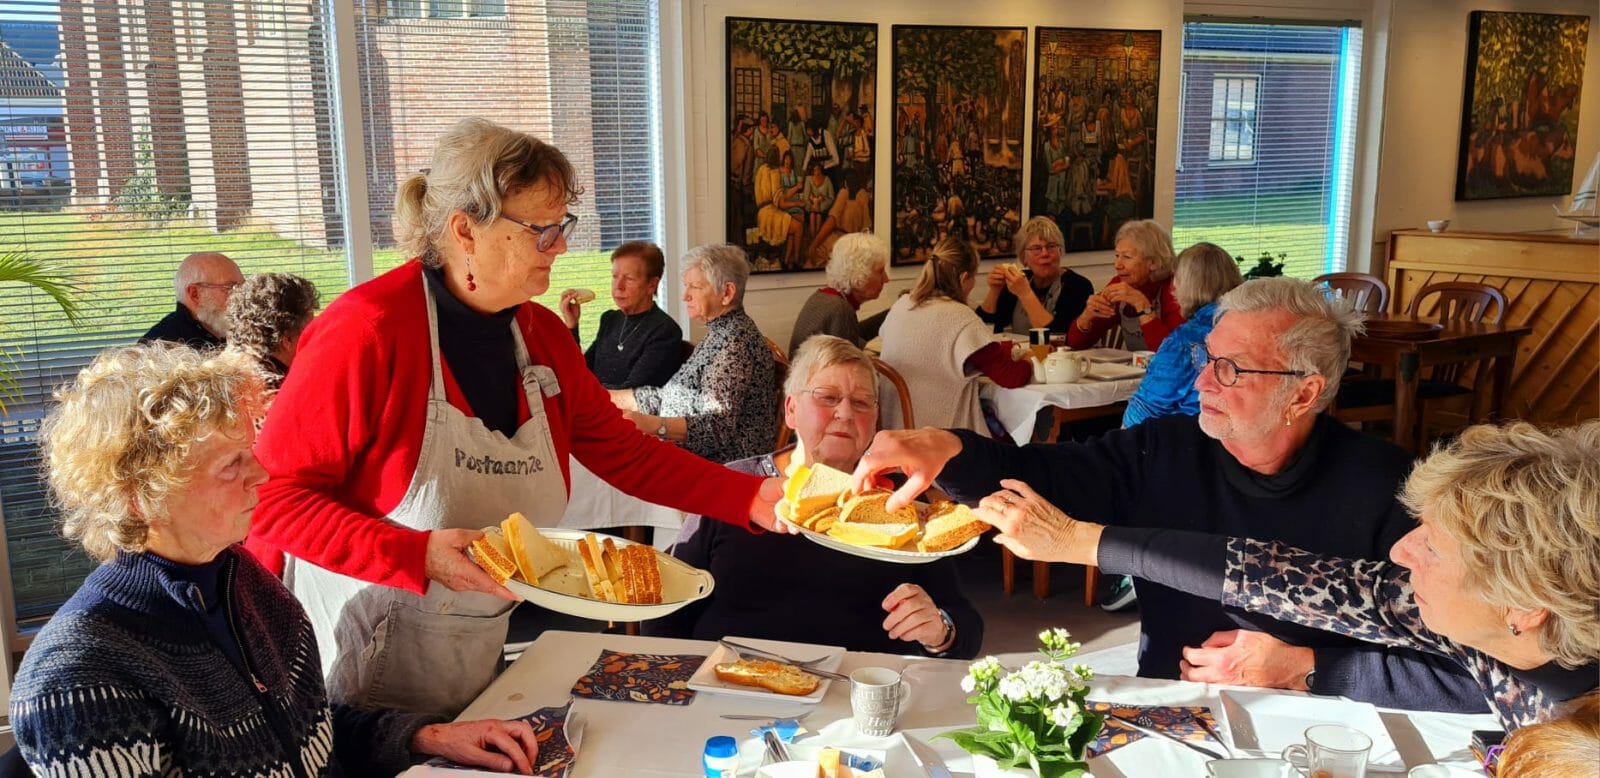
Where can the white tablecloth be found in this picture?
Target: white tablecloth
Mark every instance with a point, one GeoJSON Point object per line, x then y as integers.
{"type": "Point", "coordinates": [621, 738]}
{"type": "Point", "coordinates": [1019, 407]}
{"type": "Point", "coordinates": [594, 503]}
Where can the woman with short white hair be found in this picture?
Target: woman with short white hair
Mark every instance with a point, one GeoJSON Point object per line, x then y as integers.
{"type": "Point", "coordinates": [720, 403]}
{"type": "Point", "coordinates": [857, 272]}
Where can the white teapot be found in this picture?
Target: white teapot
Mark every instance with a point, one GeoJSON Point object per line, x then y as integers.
{"type": "Point", "coordinates": [1065, 367]}
{"type": "Point", "coordinates": [1038, 369]}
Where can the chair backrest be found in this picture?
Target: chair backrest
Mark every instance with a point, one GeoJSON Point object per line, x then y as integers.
{"type": "Point", "coordinates": [1368, 293]}
{"type": "Point", "coordinates": [907, 420]}
{"type": "Point", "coordinates": [1114, 337]}
{"type": "Point", "coordinates": [1460, 302]}
{"type": "Point", "coordinates": [780, 373]}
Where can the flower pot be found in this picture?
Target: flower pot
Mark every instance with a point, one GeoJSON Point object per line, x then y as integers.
{"type": "Point", "coordinates": [984, 767]}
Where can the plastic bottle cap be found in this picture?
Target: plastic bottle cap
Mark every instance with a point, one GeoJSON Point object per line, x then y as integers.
{"type": "Point", "coordinates": [722, 746]}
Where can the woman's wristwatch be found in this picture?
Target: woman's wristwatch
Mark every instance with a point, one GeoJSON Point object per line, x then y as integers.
{"type": "Point", "coordinates": [948, 640]}
{"type": "Point", "coordinates": [661, 431]}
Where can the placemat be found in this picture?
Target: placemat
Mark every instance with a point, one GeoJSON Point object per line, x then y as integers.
{"type": "Point", "coordinates": [1176, 720]}
{"type": "Point", "coordinates": [629, 677]}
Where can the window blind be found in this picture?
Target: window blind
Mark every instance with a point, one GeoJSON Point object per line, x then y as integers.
{"type": "Point", "coordinates": [132, 134]}
{"type": "Point", "coordinates": [1266, 141]}
{"type": "Point", "coordinates": [580, 75]}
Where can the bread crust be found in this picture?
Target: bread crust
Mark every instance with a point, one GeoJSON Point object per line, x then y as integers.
{"type": "Point", "coordinates": [772, 676]}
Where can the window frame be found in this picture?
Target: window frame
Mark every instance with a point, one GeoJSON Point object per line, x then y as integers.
{"type": "Point", "coordinates": [1217, 147]}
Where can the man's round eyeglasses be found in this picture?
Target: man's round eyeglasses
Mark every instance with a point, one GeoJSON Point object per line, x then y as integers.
{"type": "Point", "coordinates": [828, 398]}
{"type": "Point", "coordinates": [1227, 371]}
{"type": "Point", "coordinates": [547, 233]}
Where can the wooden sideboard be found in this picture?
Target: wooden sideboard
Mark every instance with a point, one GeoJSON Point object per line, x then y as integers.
{"type": "Point", "coordinates": [1552, 284]}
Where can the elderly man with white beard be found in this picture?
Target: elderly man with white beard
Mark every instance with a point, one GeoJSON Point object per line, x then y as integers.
{"type": "Point", "coordinates": [203, 283]}
{"type": "Point", "coordinates": [1261, 460]}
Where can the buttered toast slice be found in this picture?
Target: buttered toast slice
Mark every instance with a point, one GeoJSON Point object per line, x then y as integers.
{"type": "Point", "coordinates": [769, 675]}
{"type": "Point", "coordinates": [949, 525]}
{"type": "Point", "coordinates": [534, 554]}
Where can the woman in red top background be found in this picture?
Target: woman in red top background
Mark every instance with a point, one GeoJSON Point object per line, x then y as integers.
{"type": "Point", "coordinates": [436, 399]}
{"type": "Point", "coordinates": [1139, 299]}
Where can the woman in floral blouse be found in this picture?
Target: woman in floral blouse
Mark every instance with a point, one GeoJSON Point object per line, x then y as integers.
{"type": "Point", "coordinates": [1502, 575]}
{"type": "Point", "coordinates": [722, 403]}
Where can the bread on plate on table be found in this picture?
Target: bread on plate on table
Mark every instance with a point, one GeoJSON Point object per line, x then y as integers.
{"type": "Point", "coordinates": [767, 674]}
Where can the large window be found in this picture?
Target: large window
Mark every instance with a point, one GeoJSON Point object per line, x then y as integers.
{"type": "Point", "coordinates": [132, 134]}
{"type": "Point", "coordinates": [1266, 141]}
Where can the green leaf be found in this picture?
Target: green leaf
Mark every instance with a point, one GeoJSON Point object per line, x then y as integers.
{"type": "Point", "coordinates": [17, 267]}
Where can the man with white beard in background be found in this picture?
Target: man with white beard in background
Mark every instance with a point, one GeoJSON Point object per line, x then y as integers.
{"type": "Point", "coordinates": [203, 283]}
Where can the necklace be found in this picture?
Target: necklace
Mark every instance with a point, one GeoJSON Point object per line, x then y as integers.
{"type": "Point", "coordinates": [627, 329]}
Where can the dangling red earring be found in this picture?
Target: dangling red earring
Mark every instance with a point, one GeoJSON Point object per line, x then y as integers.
{"type": "Point", "coordinates": [471, 285]}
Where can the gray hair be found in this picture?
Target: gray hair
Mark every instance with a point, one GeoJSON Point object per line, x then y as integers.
{"type": "Point", "coordinates": [1038, 227]}
{"type": "Point", "coordinates": [196, 268]}
{"type": "Point", "coordinates": [820, 352]}
{"type": "Point", "coordinates": [1319, 340]}
{"type": "Point", "coordinates": [854, 258]}
{"type": "Point", "coordinates": [476, 165]}
{"type": "Point", "coordinates": [721, 264]}
{"type": "Point", "coordinates": [1153, 242]}
{"type": "Point", "coordinates": [1205, 272]}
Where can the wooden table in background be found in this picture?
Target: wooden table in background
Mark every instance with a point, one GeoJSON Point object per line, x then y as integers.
{"type": "Point", "coordinates": [1454, 343]}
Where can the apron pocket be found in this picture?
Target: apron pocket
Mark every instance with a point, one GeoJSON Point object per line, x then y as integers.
{"type": "Point", "coordinates": [433, 663]}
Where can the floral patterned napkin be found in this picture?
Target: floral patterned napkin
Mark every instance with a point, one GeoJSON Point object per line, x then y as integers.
{"type": "Point", "coordinates": [1176, 720]}
{"type": "Point", "coordinates": [549, 727]}
{"type": "Point", "coordinates": [626, 677]}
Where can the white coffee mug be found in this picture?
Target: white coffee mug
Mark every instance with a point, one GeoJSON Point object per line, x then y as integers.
{"type": "Point", "coordinates": [878, 696]}
{"type": "Point", "coordinates": [1142, 358]}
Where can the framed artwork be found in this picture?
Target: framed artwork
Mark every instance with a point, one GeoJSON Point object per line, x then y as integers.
{"type": "Point", "coordinates": [801, 138]}
{"type": "Point", "coordinates": [1094, 129]}
{"type": "Point", "coordinates": [1519, 118]}
{"type": "Point", "coordinates": [958, 121]}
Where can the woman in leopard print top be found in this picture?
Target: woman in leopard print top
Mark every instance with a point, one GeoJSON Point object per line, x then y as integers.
{"type": "Point", "coordinates": [1502, 575]}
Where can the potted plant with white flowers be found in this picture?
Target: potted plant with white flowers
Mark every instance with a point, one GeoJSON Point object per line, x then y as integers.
{"type": "Point", "coordinates": [1033, 721]}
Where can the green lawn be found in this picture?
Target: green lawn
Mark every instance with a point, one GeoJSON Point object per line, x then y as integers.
{"type": "Point", "coordinates": [1247, 225]}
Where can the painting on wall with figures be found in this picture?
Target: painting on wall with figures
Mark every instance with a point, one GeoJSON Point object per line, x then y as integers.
{"type": "Point", "coordinates": [958, 124]}
{"type": "Point", "coordinates": [1094, 129]}
{"type": "Point", "coordinates": [801, 138]}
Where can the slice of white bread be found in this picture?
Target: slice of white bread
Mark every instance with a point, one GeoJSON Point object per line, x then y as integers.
{"type": "Point", "coordinates": [769, 675]}
{"type": "Point", "coordinates": [611, 559]}
{"type": "Point", "coordinates": [869, 508]}
{"type": "Point", "coordinates": [534, 554]}
{"type": "Point", "coordinates": [949, 525]}
{"type": "Point", "coordinates": [493, 555]}
{"type": "Point", "coordinates": [593, 556]}
{"type": "Point", "coordinates": [875, 535]}
{"type": "Point", "coordinates": [814, 487]}
{"type": "Point", "coordinates": [822, 520]}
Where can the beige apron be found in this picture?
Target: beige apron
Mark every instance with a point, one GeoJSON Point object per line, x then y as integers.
{"type": "Point", "coordinates": [384, 647]}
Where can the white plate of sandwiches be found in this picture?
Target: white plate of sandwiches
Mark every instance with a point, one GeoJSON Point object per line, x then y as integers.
{"type": "Point", "coordinates": [817, 500]}
{"type": "Point", "coordinates": [587, 575]}
{"type": "Point", "coordinates": [724, 672]}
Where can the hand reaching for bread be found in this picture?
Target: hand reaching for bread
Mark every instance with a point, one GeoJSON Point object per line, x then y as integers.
{"type": "Point", "coordinates": [920, 454]}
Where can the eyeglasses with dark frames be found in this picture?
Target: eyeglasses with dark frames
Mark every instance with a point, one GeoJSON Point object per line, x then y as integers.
{"type": "Point", "coordinates": [1227, 371]}
{"type": "Point", "coordinates": [547, 233]}
{"type": "Point", "coordinates": [830, 398]}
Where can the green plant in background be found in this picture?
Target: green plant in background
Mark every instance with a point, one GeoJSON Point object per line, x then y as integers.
{"type": "Point", "coordinates": [1267, 266]}
{"type": "Point", "coordinates": [1035, 718]}
{"type": "Point", "coordinates": [141, 196]}
{"type": "Point", "coordinates": [16, 267]}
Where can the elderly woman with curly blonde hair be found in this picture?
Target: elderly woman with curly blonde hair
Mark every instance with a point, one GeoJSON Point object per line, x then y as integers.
{"type": "Point", "coordinates": [1502, 576]}
{"type": "Point", "coordinates": [1139, 300]}
{"type": "Point", "coordinates": [181, 654]}
{"type": "Point", "coordinates": [266, 315]}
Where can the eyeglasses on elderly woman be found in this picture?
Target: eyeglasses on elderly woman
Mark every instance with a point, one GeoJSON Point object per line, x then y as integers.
{"type": "Point", "coordinates": [547, 233]}
{"type": "Point", "coordinates": [1227, 371]}
{"type": "Point", "coordinates": [830, 398]}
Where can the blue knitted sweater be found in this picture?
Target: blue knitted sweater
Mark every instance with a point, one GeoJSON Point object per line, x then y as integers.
{"type": "Point", "coordinates": [126, 680]}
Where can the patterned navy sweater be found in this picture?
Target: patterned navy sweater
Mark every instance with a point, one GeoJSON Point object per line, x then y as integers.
{"type": "Point", "coordinates": [127, 680]}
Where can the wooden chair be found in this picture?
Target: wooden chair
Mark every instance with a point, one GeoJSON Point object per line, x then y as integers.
{"type": "Point", "coordinates": [1369, 293]}
{"type": "Point", "coordinates": [780, 373]}
{"type": "Point", "coordinates": [903, 392]}
{"type": "Point", "coordinates": [1451, 302]}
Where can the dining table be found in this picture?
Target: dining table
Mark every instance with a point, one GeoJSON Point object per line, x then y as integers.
{"type": "Point", "coordinates": [1433, 344]}
{"type": "Point", "coordinates": [1018, 408]}
{"type": "Point", "coordinates": [615, 738]}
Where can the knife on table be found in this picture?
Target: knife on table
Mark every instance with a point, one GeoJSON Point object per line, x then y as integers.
{"type": "Point", "coordinates": [926, 758]}
{"type": "Point", "coordinates": [744, 650]}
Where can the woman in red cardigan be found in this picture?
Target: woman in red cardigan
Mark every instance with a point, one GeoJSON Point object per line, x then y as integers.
{"type": "Point", "coordinates": [433, 400]}
{"type": "Point", "coordinates": [1139, 299]}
